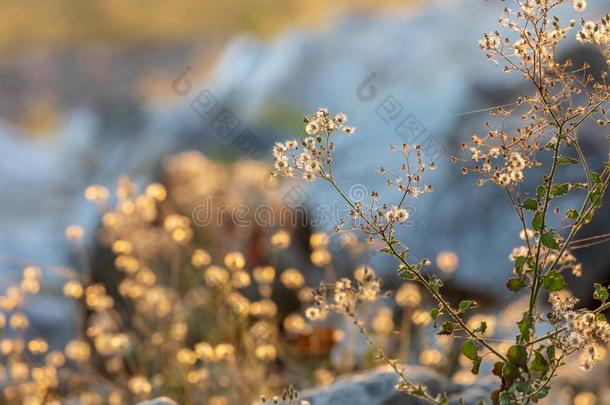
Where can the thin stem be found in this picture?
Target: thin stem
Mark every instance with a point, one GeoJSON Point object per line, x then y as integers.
{"type": "Point", "coordinates": [420, 277]}
{"type": "Point", "coordinates": [547, 199]}
{"type": "Point", "coordinates": [393, 363]}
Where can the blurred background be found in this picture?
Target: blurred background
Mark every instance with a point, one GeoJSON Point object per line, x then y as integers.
{"type": "Point", "coordinates": [90, 91]}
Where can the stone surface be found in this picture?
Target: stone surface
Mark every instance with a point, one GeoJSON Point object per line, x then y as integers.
{"type": "Point", "coordinates": [377, 387]}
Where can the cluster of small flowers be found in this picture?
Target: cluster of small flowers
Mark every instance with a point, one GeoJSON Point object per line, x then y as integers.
{"type": "Point", "coordinates": [567, 261]}
{"type": "Point", "coordinates": [143, 230]}
{"type": "Point", "coordinates": [529, 48]}
{"type": "Point", "coordinates": [346, 295]}
{"type": "Point", "coordinates": [317, 148]}
{"type": "Point", "coordinates": [595, 33]}
{"type": "Point", "coordinates": [484, 155]}
{"type": "Point", "coordinates": [368, 282]}
{"type": "Point", "coordinates": [491, 41]}
{"type": "Point", "coordinates": [289, 396]}
{"type": "Point", "coordinates": [408, 178]}
{"type": "Point", "coordinates": [396, 214]}
{"type": "Point", "coordinates": [260, 338]}
{"type": "Point", "coordinates": [321, 121]}
{"type": "Point", "coordinates": [546, 41]}
{"type": "Point", "coordinates": [577, 329]}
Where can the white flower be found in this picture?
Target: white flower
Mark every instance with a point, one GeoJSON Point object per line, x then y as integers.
{"type": "Point", "coordinates": [396, 214]}
{"type": "Point", "coordinates": [580, 5]}
{"type": "Point", "coordinates": [322, 112]}
{"type": "Point", "coordinates": [349, 130]}
{"type": "Point", "coordinates": [526, 234]}
{"type": "Point", "coordinates": [315, 314]}
{"type": "Point", "coordinates": [291, 144]}
{"type": "Point", "coordinates": [279, 149]}
{"type": "Point", "coordinates": [309, 142]}
{"type": "Point", "coordinates": [312, 128]}
{"type": "Point", "coordinates": [520, 251]}
{"type": "Point", "coordinates": [517, 176]}
{"type": "Point", "coordinates": [517, 161]}
{"type": "Point", "coordinates": [340, 119]}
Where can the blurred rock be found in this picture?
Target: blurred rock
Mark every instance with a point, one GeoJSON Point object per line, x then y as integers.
{"type": "Point", "coordinates": [377, 387]}
{"type": "Point", "coordinates": [383, 72]}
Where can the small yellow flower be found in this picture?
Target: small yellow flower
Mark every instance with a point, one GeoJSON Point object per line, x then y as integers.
{"type": "Point", "coordinates": [74, 233]}
{"type": "Point", "coordinates": [319, 240]}
{"type": "Point", "coordinates": [320, 257]}
{"type": "Point", "coordinates": [73, 289]}
{"type": "Point", "coordinates": [281, 239]}
{"type": "Point", "coordinates": [266, 352]}
{"type": "Point", "coordinates": [235, 261]}
{"type": "Point", "coordinates": [200, 258]}
{"type": "Point", "coordinates": [292, 279]}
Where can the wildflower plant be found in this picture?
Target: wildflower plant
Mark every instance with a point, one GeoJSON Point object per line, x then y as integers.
{"type": "Point", "coordinates": [192, 309]}
{"type": "Point", "coordinates": [562, 98]}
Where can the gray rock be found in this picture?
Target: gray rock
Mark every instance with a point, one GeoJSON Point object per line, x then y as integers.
{"type": "Point", "coordinates": [377, 387]}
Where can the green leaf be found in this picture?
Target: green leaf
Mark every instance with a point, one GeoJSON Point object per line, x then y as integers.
{"type": "Point", "coordinates": [510, 371]}
{"type": "Point", "coordinates": [565, 160]}
{"type": "Point", "coordinates": [470, 350]}
{"type": "Point", "coordinates": [588, 218]}
{"type": "Point", "coordinates": [517, 355]}
{"type": "Point", "coordinates": [550, 352]}
{"type": "Point", "coordinates": [481, 328]}
{"type": "Point", "coordinates": [419, 392]}
{"type": "Point", "coordinates": [515, 284]}
{"type": "Point", "coordinates": [537, 221]}
{"type": "Point", "coordinates": [435, 283]}
{"type": "Point", "coordinates": [519, 263]}
{"type": "Point", "coordinates": [600, 293]}
{"type": "Point", "coordinates": [597, 179]}
{"type": "Point", "coordinates": [530, 204]}
{"type": "Point", "coordinates": [541, 393]}
{"type": "Point", "coordinates": [465, 305]}
{"type": "Point", "coordinates": [558, 190]}
{"type": "Point", "coordinates": [596, 196]}
{"type": "Point", "coordinates": [548, 239]}
{"type": "Point", "coordinates": [476, 366]}
{"type": "Point", "coordinates": [525, 325]}
{"type": "Point", "coordinates": [539, 364]}
{"type": "Point", "coordinates": [523, 386]}
{"type": "Point", "coordinates": [497, 370]}
{"type": "Point", "coordinates": [553, 281]}
{"type": "Point", "coordinates": [447, 328]}
{"type": "Point", "coordinates": [406, 273]}
{"type": "Point", "coordinates": [505, 398]}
